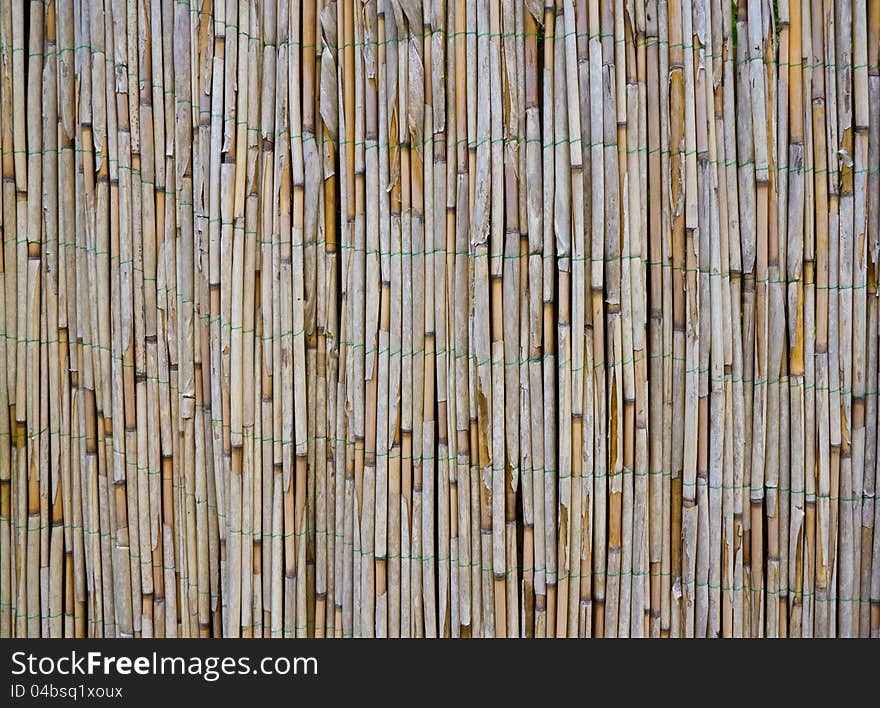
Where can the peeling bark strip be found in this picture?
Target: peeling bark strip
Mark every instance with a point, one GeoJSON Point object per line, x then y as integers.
{"type": "Point", "coordinates": [470, 318]}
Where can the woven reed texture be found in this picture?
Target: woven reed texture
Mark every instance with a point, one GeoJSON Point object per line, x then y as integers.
{"type": "Point", "coordinates": [456, 318]}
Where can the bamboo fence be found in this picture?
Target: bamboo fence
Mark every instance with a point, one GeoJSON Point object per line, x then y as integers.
{"type": "Point", "coordinates": [457, 318]}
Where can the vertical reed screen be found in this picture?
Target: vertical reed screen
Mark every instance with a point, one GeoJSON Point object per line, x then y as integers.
{"type": "Point", "coordinates": [444, 318]}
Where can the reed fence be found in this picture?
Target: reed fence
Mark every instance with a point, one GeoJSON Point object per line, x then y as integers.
{"type": "Point", "coordinates": [447, 318]}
